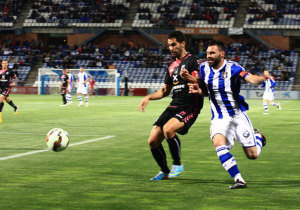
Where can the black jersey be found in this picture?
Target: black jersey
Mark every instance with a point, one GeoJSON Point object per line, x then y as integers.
{"type": "Point", "coordinates": [6, 77]}
{"type": "Point", "coordinates": [64, 79]}
{"type": "Point", "coordinates": [181, 96]}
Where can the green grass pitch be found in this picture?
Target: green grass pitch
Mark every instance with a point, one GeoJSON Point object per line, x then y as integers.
{"type": "Point", "coordinates": [115, 173]}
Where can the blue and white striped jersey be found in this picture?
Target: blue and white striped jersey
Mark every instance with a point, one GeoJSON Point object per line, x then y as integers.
{"type": "Point", "coordinates": [72, 79]}
{"type": "Point", "coordinates": [224, 87]}
{"type": "Point", "coordinates": [82, 76]}
{"type": "Point", "coordinates": [269, 84]}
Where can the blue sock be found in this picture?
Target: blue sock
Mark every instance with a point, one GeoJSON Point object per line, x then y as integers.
{"type": "Point", "coordinates": [227, 160]}
{"type": "Point", "coordinates": [266, 107]}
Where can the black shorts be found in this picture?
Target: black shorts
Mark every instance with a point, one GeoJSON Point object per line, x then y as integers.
{"type": "Point", "coordinates": [186, 115]}
{"type": "Point", "coordinates": [5, 91]}
{"type": "Point", "coordinates": [63, 90]}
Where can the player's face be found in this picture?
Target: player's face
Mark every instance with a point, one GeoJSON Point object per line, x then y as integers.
{"type": "Point", "coordinates": [64, 72]}
{"type": "Point", "coordinates": [67, 71]}
{"type": "Point", "coordinates": [81, 69]}
{"type": "Point", "coordinates": [4, 64]}
{"type": "Point", "coordinates": [214, 55]}
{"type": "Point", "coordinates": [176, 48]}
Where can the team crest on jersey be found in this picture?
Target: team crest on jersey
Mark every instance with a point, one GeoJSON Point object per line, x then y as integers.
{"type": "Point", "coordinates": [224, 75]}
{"type": "Point", "coordinates": [246, 134]}
{"type": "Point", "coordinates": [175, 77]}
{"type": "Point", "coordinates": [3, 77]}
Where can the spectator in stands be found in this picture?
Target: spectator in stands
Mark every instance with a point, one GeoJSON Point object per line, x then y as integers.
{"type": "Point", "coordinates": [284, 76]}
{"type": "Point", "coordinates": [111, 66]}
{"type": "Point", "coordinates": [154, 75]}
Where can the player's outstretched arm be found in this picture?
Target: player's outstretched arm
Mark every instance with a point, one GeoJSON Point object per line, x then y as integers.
{"type": "Point", "coordinates": [15, 81]}
{"type": "Point", "coordinates": [163, 92]}
{"type": "Point", "coordinates": [255, 79]}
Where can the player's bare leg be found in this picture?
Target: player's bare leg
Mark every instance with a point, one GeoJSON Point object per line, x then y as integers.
{"type": "Point", "coordinates": [158, 152]}
{"type": "Point", "coordinates": [228, 161]}
{"type": "Point", "coordinates": [2, 97]}
{"type": "Point", "coordinates": [272, 103]}
{"type": "Point", "coordinates": [254, 152]}
{"type": "Point", "coordinates": [170, 129]}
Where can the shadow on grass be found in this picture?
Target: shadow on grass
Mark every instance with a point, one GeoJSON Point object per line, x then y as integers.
{"type": "Point", "coordinates": [250, 184]}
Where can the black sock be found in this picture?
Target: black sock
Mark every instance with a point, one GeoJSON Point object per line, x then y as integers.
{"type": "Point", "coordinates": [174, 146]}
{"type": "Point", "coordinates": [159, 155]}
{"type": "Point", "coordinates": [64, 98]}
{"type": "Point", "coordinates": [1, 106]}
{"type": "Point", "coordinates": [12, 104]}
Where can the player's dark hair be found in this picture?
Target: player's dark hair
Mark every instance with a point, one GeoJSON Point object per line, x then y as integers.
{"type": "Point", "coordinates": [178, 35]}
{"type": "Point", "coordinates": [220, 44]}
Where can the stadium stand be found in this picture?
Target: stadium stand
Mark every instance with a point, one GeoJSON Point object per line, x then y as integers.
{"type": "Point", "coordinates": [146, 67]}
{"type": "Point", "coordinates": [21, 56]}
{"type": "Point", "coordinates": [269, 14]}
{"type": "Point", "coordinates": [9, 12]}
{"type": "Point", "coordinates": [190, 13]}
{"type": "Point", "coordinates": [75, 13]}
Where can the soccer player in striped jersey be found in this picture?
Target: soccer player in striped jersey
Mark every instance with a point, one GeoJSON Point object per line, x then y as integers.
{"type": "Point", "coordinates": [70, 87]}
{"type": "Point", "coordinates": [229, 119]}
{"type": "Point", "coordinates": [182, 112]}
{"type": "Point", "coordinates": [269, 93]}
{"type": "Point", "coordinates": [82, 86]}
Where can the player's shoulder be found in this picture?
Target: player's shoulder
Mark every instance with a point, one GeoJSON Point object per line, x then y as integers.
{"type": "Point", "coordinates": [203, 64]}
{"type": "Point", "coordinates": [233, 64]}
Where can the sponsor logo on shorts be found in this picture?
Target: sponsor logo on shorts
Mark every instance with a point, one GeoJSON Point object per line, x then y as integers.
{"type": "Point", "coordinates": [246, 134]}
{"type": "Point", "coordinates": [178, 115]}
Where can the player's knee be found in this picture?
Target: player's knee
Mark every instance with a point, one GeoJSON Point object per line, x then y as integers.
{"type": "Point", "coordinates": [169, 132]}
{"type": "Point", "coordinates": [153, 144]}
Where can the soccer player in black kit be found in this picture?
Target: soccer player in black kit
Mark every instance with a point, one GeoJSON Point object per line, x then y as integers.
{"type": "Point", "coordinates": [183, 110]}
{"type": "Point", "coordinates": [6, 76]}
{"type": "Point", "coordinates": [64, 85]}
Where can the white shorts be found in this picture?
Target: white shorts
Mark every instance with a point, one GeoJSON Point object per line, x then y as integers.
{"type": "Point", "coordinates": [236, 128]}
{"type": "Point", "coordinates": [69, 89]}
{"type": "Point", "coordinates": [81, 89]}
{"type": "Point", "coordinates": [268, 96]}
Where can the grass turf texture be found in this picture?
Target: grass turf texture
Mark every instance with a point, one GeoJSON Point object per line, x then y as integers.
{"type": "Point", "coordinates": [115, 173]}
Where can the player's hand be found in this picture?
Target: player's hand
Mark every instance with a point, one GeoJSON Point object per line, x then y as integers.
{"type": "Point", "coordinates": [194, 88]}
{"type": "Point", "coordinates": [184, 74]}
{"type": "Point", "coordinates": [12, 84]}
{"type": "Point", "coordinates": [143, 104]}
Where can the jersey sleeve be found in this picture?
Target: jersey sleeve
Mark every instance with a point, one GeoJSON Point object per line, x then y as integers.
{"type": "Point", "coordinates": [15, 72]}
{"type": "Point", "coordinates": [201, 71]}
{"type": "Point", "coordinates": [273, 83]}
{"type": "Point", "coordinates": [236, 69]}
{"type": "Point", "coordinates": [193, 67]}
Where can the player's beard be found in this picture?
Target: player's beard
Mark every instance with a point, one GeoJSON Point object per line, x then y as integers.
{"type": "Point", "coordinates": [215, 61]}
{"type": "Point", "coordinates": [176, 54]}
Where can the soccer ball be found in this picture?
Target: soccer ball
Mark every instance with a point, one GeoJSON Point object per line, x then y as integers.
{"type": "Point", "coordinates": [57, 139]}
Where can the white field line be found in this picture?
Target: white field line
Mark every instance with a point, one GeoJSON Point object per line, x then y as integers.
{"type": "Point", "coordinates": [45, 150]}
{"type": "Point", "coordinates": [42, 134]}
